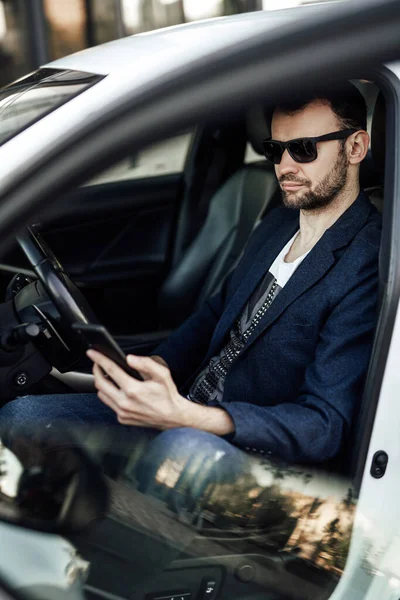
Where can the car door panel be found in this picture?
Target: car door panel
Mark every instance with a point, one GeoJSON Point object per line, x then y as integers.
{"type": "Point", "coordinates": [118, 236]}
{"type": "Point", "coordinates": [97, 245]}
{"type": "Point", "coordinates": [114, 241]}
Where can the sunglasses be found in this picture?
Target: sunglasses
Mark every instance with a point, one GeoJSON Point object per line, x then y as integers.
{"type": "Point", "coordinates": [302, 150]}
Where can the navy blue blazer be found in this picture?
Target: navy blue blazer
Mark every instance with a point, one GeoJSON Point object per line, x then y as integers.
{"type": "Point", "coordinates": [296, 386]}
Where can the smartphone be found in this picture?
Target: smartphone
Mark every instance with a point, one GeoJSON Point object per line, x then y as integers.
{"type": "Point", "coordinates": [100, 339]}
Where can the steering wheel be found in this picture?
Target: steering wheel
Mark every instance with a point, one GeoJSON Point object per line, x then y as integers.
{"type": "Point", "coordinates": [67, 298]}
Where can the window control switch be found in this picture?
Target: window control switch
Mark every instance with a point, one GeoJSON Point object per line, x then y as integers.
{"type": "Point", "coordinates": [209, 589]}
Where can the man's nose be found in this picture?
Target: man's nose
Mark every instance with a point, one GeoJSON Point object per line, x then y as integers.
{"type": "Point", "coordinates": [287, 164]}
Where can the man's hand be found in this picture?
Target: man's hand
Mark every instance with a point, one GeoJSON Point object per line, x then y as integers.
{"type": "Point", "coordinates": [154, 402]}
{"type": "Point", "coordinates": [159, 359]}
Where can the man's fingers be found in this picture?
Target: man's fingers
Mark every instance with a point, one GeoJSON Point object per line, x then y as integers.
{"type": "Point", "coordinates": [102, 382]}
{"type": "Point", "coordinates": [106, 387]}
{"type": "Point", "coordinates": [149, 368]}
{"type": "Point", "coordinates": [111, 396]}
{"type": "Point", "coordinates": [115, 372]}
{"type": "Point", "coordinates": [123, 415]}
{"type": "Point", "coordinates": [118, 400]}
{"type": "Point", "coordinates": [133, 400]}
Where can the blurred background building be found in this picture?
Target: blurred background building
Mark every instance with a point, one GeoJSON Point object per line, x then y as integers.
{"type": "Point", "coordinates": [33, 32]}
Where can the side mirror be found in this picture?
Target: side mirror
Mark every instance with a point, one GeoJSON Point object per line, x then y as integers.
{"type": "Point", "coordinates": [48, 482]}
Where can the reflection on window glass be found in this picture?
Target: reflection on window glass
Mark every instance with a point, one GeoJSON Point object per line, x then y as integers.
{"type": "Point", "coordinates": [164, 158]}
{"type": "Point", "coordinates": [31, 98]}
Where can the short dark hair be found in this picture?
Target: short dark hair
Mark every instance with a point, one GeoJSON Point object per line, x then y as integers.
{"type": "Point", "coordinates": [345, 100]}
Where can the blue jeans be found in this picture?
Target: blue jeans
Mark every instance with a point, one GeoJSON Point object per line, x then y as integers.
{"type": "Point", "coordinates": [200, 458]}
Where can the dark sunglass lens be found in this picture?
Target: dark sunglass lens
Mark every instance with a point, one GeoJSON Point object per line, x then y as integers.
{"type": "Point", "coordinates": [303, 151]}
{"type": "Point", "coordinates": [273, 152]}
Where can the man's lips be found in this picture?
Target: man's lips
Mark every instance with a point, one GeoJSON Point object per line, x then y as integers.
{"type": "Point", "coordinates": [290, 186]}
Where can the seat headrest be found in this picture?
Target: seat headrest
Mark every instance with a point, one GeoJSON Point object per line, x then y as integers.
{"type": "Point", "coordinates": [258, 127]}
{"type": "Point", "coordinates": [378, 137]}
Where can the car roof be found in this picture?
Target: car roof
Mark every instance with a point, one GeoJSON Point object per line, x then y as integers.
{"type": "Point", "coordinates": [187, 42]}
{"type": "Point", "coordinates": [133, 65]}
{"type": "Point", "coordinates": [138, 65]}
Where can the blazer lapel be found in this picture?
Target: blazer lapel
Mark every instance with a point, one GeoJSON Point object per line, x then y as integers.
{"type": "Point", "coordinates": [312, 269]}
{"type": "Point", "coordinates": [318, 262]}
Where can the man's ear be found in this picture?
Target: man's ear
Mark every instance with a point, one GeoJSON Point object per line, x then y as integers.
{"type": "Point", "coordinates": [357, 147]}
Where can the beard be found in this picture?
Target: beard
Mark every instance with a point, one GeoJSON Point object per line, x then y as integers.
{"type": "Point", "coordinates": [325, 192]}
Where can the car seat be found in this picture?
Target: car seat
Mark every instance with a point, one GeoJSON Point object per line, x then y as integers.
{"type": "Point", "coordinates": [232, 214]}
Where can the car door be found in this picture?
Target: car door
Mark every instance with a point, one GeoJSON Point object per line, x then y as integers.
{"type": "Point", "coordinates": [119, 234]}
{"type": "Point", "coordinates": [114, 234]}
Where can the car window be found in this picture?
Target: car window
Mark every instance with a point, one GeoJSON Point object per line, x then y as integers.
{"type": "Point", "coordinates": [31, 98]}
{"type": "Point", "coordinates": [370, 92]}
{"type": "Point", "coordinates": [163, 158]}
{"type": "Point", "coordinates": [251, 155]}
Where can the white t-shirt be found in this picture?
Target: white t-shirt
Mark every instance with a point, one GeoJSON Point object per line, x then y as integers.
{"type": "Point", "coordinates": [281, 270]}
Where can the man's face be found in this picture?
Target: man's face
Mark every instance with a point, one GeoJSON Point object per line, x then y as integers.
{"type": "Point", "coordinates": [310, 186]}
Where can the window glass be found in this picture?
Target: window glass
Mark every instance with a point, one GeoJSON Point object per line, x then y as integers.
{"type": "Point", "coordinates": [172, 522]}
{"type": "Point", "coordinates": [370, 92]}
{"type": "Point", "coordinates": [164, 158]}
{"type": "Point", "coordinates": [251, 155]}
{"type": "Point", "coordinates": [31, 98]}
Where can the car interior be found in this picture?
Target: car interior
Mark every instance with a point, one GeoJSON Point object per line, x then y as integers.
{"type": "Point", "coordinates": [144, 253]}
{"type": "Point", "coordinates": [158, 246]}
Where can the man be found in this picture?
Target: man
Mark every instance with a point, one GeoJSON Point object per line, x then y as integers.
{"type": "Point", "coordinates": [275, 362]}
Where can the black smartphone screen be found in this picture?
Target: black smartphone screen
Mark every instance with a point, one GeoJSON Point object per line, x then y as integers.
{"type": "Point", "coordinates": [100, 339]}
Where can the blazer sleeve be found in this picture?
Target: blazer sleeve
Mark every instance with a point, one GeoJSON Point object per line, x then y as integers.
{"type": "Point", "coordinates": [312, 428]}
